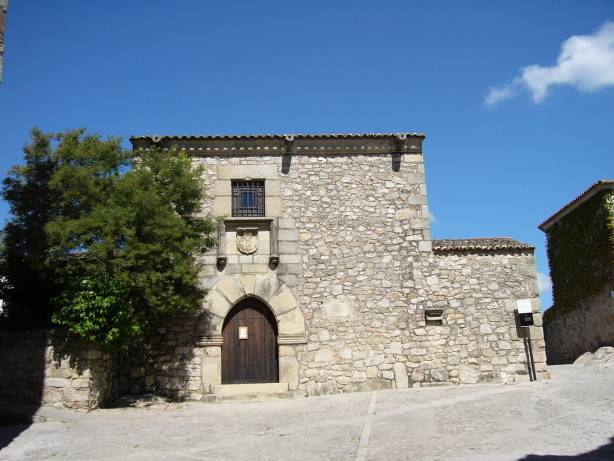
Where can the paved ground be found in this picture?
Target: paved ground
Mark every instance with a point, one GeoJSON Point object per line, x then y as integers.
{"type": "Point", "coordinates": [568, 417]}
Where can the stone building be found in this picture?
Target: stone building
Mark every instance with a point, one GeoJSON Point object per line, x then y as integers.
{"type": "Point", "coordinates": [3, 8]}
{"type": "Point", "coordinates": [581, 256]}
{"type": "Point", "coordinates": [326, 278]}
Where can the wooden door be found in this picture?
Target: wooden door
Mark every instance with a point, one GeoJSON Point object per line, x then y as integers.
{"type": "Point", "coordinates": [249, 350]}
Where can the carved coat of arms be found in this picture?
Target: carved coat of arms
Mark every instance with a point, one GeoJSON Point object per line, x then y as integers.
{"type": "Point", "coordinates": [247, 240]}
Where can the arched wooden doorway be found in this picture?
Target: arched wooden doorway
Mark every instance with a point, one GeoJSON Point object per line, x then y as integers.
{"type": "Point", "coordinates": [249, 348]}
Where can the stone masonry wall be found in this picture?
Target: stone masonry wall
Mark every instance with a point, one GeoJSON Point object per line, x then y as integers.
{"type": "Point", "coordinates": [43, 367]}
{"type": "Point", "coordinates": [168, 362]}
{"type": "Point", "coordinates": [363, 229]}
{"type": "Point", "coordinates": [367, 273]}
{"type": "Point", "coordinates": [479, 339]}
{"type": "Point", "coordinates": [350, 231]}
{"type": "Point", "coordinates": [3, 8]}
{"type": "Point", "coordinates": [570, 333]}
{"type": "Point", "coordinates": [355, 249]}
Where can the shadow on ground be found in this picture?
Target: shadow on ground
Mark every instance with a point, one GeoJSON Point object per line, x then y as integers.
{"type": "Point", "coordinates": [603, 453]}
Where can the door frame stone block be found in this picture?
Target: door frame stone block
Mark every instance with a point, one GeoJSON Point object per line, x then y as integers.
{"type": "Point", "coordinates": [279, 298]}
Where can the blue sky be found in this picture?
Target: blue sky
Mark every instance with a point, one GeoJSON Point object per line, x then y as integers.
{"type": "Point", "coordinates": [195, 67]}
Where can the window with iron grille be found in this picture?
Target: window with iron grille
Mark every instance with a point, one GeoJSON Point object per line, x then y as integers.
{"type": "Point", "coordinates": [248, 198]}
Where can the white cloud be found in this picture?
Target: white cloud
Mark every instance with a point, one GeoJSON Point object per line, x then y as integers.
{"type": "Point", "coordinates": [432, 218]}
{"type": "Point", "coordinates": [498, 94]}
{"type": "Point", "coordinates": [543, 282]}
{"type": "Point", "coordinates": [585, 62]}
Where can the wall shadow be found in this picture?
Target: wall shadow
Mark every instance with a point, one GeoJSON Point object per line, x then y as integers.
{"type": "Point", "coordinates": [166, 363]}
{"type": "Point", "coordinates": [22, 374]}
{"type": "Point", "coordinates": [602, 453]}
{"type": "Point", "coordinates": [47, 367]}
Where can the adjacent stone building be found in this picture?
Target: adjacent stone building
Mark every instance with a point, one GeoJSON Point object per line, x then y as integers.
{"type": "Point", "coordinates": [326, 278]}
{"type": "Point", "coordinates": [3, 8]}
{"type": "Point", "coordinates": [581, 256]}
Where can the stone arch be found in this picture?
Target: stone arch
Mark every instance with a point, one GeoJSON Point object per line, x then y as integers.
{"type": "Point", "coordinates": [225, 294]}
{"type": "Point", "coordinates": [268, 289]}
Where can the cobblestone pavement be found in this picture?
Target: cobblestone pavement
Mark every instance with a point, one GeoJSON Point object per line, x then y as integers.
{"type": "Point", "coordinates": [569, 417]}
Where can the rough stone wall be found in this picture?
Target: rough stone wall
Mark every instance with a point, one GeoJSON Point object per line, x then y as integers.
{"type": "Point", "coordinates": [44, 367]}
{"type": "Point", "coordinates": [355, 248]}
{"type": "Point", "coordinates": [3, 8]}
{"type": "Point", "coordinates": [350, 232]}
{"type": "Point", "coordinates": [572, 332]}
{"type": "Point", "coordinates": [168, 362]}
{"type": "Point", "coordinates": [479, 339]}
{"type": "Point", "coordinates": [363, 228]}
{"type": "Point", "coordinates": [367, 272]}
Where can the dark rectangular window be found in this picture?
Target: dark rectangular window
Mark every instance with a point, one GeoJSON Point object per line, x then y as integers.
{"type": "Point", "coordinates": [248, 198]}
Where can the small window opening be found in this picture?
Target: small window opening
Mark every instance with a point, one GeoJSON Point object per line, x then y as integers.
{"type": "Point", "coordinates": [247, 198]}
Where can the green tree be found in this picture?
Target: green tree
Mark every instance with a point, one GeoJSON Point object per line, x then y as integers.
{"type": "Point", "coordinates": [27, 283]}
{"type": "Point", "coordinates": [123, 237]}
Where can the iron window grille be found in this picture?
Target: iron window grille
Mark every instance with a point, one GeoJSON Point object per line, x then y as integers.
{"type": "Point", "coordinates": [248, 198]}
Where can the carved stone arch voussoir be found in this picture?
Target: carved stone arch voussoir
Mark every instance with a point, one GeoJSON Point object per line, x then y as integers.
{"type": "Point", "coordinates": [267, 288]}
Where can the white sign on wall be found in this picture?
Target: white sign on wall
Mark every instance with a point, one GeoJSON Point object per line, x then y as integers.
{"type": "Point", "coordinates": [524, 306]}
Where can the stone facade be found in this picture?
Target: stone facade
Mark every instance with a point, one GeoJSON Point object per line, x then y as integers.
{"type": "Point", "coordinates": [478, 290]}
{"type": "Point", "coordinates": [581, 256]}
{"type": "Point", "coordinates": [569, 334]}
{"type": "Point", "coordinates": [4, 4]}
{"type": "Point", "coordinates": [43, 367]}
{"type": "Point", "coordinates": [363, 298]}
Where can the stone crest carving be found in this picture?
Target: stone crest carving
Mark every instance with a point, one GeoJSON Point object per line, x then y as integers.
{"type": "Point", "coordinates": [247, 240]}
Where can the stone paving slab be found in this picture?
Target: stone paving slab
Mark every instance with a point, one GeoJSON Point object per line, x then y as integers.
{"type": "Point", "coordinates": [570, 416]}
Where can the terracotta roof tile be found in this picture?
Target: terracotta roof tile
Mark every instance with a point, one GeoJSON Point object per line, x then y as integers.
{"type": "Point", "coordinates": [280, 136]}
{"type": "Point", "coordinates": [480, 244]}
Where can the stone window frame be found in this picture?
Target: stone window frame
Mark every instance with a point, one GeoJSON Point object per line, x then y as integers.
{"type": "Point", "coordinates": [222, 190]}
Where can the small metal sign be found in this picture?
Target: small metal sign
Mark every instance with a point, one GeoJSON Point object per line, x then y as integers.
{"type": "Point", "coordinates": [526, 319]}
{"type": "Point", "coordinates": [242, 332]}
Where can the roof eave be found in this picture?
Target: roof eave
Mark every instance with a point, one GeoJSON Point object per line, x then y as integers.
{"type": "Point", "coordinates": [276, 144]}
{"type": "Point", "coordinates": [595, 188]}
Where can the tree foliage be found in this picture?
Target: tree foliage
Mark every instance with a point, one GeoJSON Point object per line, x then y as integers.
{"type": "Point", "coordinates": [98, 310]}
{"type": "Point", "coordinates": [27, 281]}
{"type": "Point", "coordinates": [115, 235]}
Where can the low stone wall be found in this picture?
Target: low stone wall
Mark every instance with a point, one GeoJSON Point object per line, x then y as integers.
{"type": "Point", "coordinates": [480, 339]}
{"type": "Point", "coordinates": [570, 333]}
{"type": "Point", "coordinates": [45, 367]}
{"type": "Point", "coordinates": [168, 362]}
{"type": "Point", "coordinates": [3, 7]}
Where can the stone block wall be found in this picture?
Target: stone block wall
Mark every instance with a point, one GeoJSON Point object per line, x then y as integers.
{"type": "Point", "coordinates": [168, 362]}
{"type": "Point", "coordinates": [571, 332]}
{"type": "Point", "coordinates": [479, 339]}
{"type": "Point", "coordinates": [44, 367]}
{"type": "Point", "coordinates": [363, 271]}
{"type": "Point", "coordinates": [363, 228]}
{"type": "Point", "coordinates": [350, 230]}
{"type": "Point", "coordinates": [3, 8]}
{"type": "Point", "coordinates": [355, 275]}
